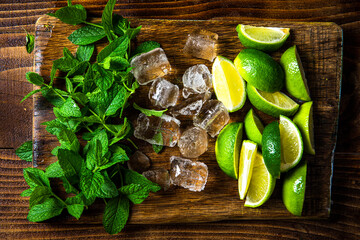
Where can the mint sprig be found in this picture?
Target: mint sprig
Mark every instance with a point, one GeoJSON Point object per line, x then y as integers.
{"type": "Point", "coordinates": [90, 105]}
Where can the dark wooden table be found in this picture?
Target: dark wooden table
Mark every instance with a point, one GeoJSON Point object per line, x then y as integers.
{"type": "Point", "coordinates": [16, 120]}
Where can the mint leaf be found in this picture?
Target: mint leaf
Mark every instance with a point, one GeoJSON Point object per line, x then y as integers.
{"type": "Point", "coordinates": [149, 112]}
{"type": "Point", "coordinates": [30, 42]}
{"type": "Point", "coordinates": [25, 151]}
{"type": "Point", "coordinates": [70, 109]}
{"type": "Point", "coordinates": [73, 15]}
{"type": "Point", "coordinates": [85, 52]}
{"type": "Point", "coordinates": [90, 182]}
{"type": "Point", "coordinates": [116, 63]}
{"type": "Point", "coordinates": [103, 78]}
{"type": "Point", "coordinates": [136, 178]}
{"type": "Point", "coordinates": [118, 97]}
{"type": "Point", "coordinates": [116, 214]}
{"type": "Point", "coordinates": [116, 48]}
{"type": "Point", "coordinates": [87, 35]}
{"type": "Point", "coordinates": [135, 192]}
{"type": "Point", "coordinates": [75, 206]}
{"type": "Point", "coordinates": [27, 192]}
{"type": "Point", "coordinates": [120, 24]}
{"type": "Point", "coordinates": [132, 32]}
{"type": "Point", "coordinates": [145, 47]}
{"type": "Point", "coordinates": [48, 209]}
{"type": "Point", "coordinates": [78, 69]}
{"type": "Point", "coordinates": [68, 140]}
{"type": "Point", "coordinates": [34, 78]}
{"type": "Point", "coordinates": [30, 94]}
{"type": "Point", "coordinates": [35, 177]}
{"type": "Point", "coordinates": [157, 148]}
{"type": "Point", "coordinates": [52, 97]}
{"type": "Point", "coordinates": [39, 195]}
{"type": "Point", "coordinates": [54, 170]}
{"type": "Point", "coordinates": [119, 154]}
{"type": "Point", "coordinates": [69, 188]}
{"type": "Point", "coordinates": [70, 162]}
{"type": "Point", "coordinates": [108, 188]}
{"type": "Point", "coordinates": [106, 19]}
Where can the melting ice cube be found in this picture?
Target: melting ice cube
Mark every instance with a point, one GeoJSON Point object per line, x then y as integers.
{"type": "Point", "coordinates": [164, 130]}
{"type": "Point", "coordinates": [193, 142]}
{"type": "Point", "coordinates": [201, 44]}
{"type": "Point", "coordinates": [160, 176]}
{"type": "Point", "coordinates": [190, 106]}
{"type": "Point", "coordinates": [188, 174]}
{"type": "Point", "coordinates": [212, 117]}
{"type": "Point", "coordinates": [139, 162]}
{"type": "Point", "coordinates": [150, 65]}
{"type": "Point", "coordinates": [196, 79]}
{"type": "Point", "coordinates": [163, 93]}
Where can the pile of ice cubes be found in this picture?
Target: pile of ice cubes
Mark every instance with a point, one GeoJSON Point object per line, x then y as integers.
{"type": "Point", "coordinates": [209, 115]}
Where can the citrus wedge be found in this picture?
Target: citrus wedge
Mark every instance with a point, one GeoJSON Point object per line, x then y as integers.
{"type": "Point", "coordinates": [246, 163]}
{"type": "Point", "coordinates": [228, 84]}
{"type": "Point", "coordinates": [253, 127]}
{"type": "Point", "coordinates": [271, 148]}
{"type": "Point", "coordinates": [274, 104]}
{"type": "Point", "coordinates": [304, 120]}
{"type": "Point", "coordinates": [291, 144]}
{"type": "Point", "coordinates": [262, 184]}
{"type": "Point", "coordinates": [262, 38]}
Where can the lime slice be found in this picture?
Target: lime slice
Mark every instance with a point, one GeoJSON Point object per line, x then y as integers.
{"type": "Point", "coordinates": [293, 192]}
{"type": "Point", "coordinates": [261, 186]}
{"type": "Point", "coordinates": [253, 127]}
{"type": "Point", "coordinates": [304, 120]}
{"type": "Point", "coordinates": [291, 144]}
{"type": "Point", "coordinates": [228, 84]}
{"type": "Point", "coordinates": [262, 38]}
{"type": "Point", "coordinates": [227, 148]}
{"type": "Point", "coordinates": [295, 81]}
{"type": "Point", "coordinates": [271, 148]}
{"type": "Point", "coordinates": [260, 70]}
{"type": "Point", "coordinates": [274, 104]}
{"type": "Point", "coordinates": [246, 163]}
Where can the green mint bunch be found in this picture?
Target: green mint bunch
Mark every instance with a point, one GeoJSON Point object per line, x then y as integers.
{"type": "Point", "coordinates": [90, 106]}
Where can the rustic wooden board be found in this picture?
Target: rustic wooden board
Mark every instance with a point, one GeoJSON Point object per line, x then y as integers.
{"type": "Point", "coordinates": [320, 48]}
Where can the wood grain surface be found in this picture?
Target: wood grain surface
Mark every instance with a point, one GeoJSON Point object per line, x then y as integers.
{"type": "Point", "coordinates": [320, 48]}
{"type": "Point", "coordinates": [16, 120]}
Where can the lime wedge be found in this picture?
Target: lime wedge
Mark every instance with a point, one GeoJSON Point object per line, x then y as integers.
{"type": "Point", "coordinates": [261, 186]}
{"type": "Point", "coordinates": [291, 144]}
{"type": "Point", "coordinates": [260, 70]}
{"type": "Point", "coordinates": [253, 127]}
{"type": "Point", "coordinates": [246, 163]}
{"type": "Point", "coordinates": [262, 38]}
{"type": "Point", "coordinates": [271, 148]}
{"type": "Point", "coordinates": [295, 81]}
{"type": "Point", "coordinates": [228, 84]}
{"type": "Point", "coordinates": [274, 104]}
{"type": "Point", "coordinates": [293, 192]}
{"type": "Point", "coordinates": [304, 120]}
{"type": "Point", "coordinates": [227, 148]}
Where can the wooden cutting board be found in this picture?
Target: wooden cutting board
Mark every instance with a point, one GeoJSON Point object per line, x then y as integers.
{"type": "Point", "coordinates": [320, 48]}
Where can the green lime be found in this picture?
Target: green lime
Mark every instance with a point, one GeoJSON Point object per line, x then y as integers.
{"type": "Point", "coordinates": [262, 184]}
{"type": "Point", "coordinates": [304, 120]}
{"type": "Point", "coordinates": [253, 127]}
{"type": "Point", "coordinates": [271, 148]}
{"type": "Point", "coordinates": [229, 86]}
{"type": "Point", "coordinates": [260, 70]}
{"type": "Point", "coordinates": [267, 39]}
{"type": "Point", "coordinates": [227, 148]}
{"type": "Point", "coordinates": [295, 81]}
{"type": "Point", "coordinates": [291, 144]}
{"type": "Point", "coordinates": [246, 163]}
{"type": "Point", "coordinates": [293, 192]}
{"type": "Point", "coordinates": [274, 104]}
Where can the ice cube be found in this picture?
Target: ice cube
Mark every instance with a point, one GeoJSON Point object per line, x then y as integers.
{"type": "Point", "coordinates": [150, 65]}
{"type": "Point", "coordinates": [188, 174]}
{"type": "Point", "coordinates": [201, 44]}
{"type": "Point", "coordinates": [164, 130]}
{"type": "Point", "coordinates": [190, 106]}
{"type": "Point", "coordinates": [193, 142]}
{"type": "Point", "coordinates": [196, 79]}
{"type": "Point", "coordinates": [163, 93]}
{"type": "Point", "coordinates": [160, 176]}
{"type": "Point", "coordinates": [139, 162]}
{"type": "Point", "coordinates": [212, 117]}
